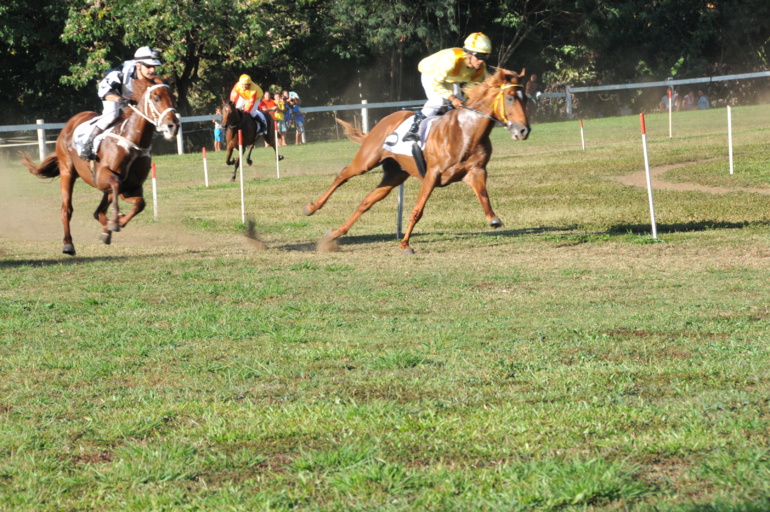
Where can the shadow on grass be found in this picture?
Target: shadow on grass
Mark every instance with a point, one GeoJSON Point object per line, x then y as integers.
{"type": "Point", "coordinates": [560, 232]}
{"type": "Point", "coordinates": [73, 260]}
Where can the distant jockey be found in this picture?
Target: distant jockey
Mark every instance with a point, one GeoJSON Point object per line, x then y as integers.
{"type": "Point", "coordinates": [445, 68]}
{"type": "Point", "coordinates": [245, 96]}
{"type": "Point", "coordinates": [116, 89]}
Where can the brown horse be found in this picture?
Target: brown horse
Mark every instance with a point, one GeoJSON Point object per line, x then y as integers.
{"type": "Point", "coordinates": [123, 161]}
{"type": "Point", "coordinates": [457, 149]}
{"type": "Point", "coordinates": [234, 119]}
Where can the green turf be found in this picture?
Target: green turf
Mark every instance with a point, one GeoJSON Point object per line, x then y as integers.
{"type": "Point", "coordinates": [568, 361]}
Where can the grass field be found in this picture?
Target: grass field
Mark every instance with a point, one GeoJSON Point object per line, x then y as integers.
{"type": "Point", "coordinates": [565, 362]}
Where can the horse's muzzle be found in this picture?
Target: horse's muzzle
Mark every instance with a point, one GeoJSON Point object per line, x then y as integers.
{"type": "Point", "coordinates": [518, 131]}
{"type": "Point", "coordinates": [168, 128]}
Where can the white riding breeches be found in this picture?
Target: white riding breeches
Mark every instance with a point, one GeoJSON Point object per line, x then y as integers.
{"type": "Point", "coordinates": [110, 112]}
{"type": "Point", "coordinates": [435, 102]}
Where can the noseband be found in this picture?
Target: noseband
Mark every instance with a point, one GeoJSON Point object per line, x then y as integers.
{"type": "Point", "coordinates": [157, 116]}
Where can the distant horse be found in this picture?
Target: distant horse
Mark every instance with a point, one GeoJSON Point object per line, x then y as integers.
{"type": "Point", "coordinates": [234, 119]}
{"type": "Point", "coordinates": [457, 149]}
{"type": "Point", "coordinates": [123, 161]}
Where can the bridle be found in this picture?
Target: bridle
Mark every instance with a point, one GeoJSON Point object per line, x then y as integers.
{"type": "Point", "coordinates": [499, 104]}
{"type": "Point", "coordinates": [157, 115]}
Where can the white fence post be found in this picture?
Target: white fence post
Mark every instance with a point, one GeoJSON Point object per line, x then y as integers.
{"type": "Point", "coordinates": [365, 116]}
{"type": "Point", "coordinates": [41, 140]}
{"type": "Point", "coordinates": [179, 138]}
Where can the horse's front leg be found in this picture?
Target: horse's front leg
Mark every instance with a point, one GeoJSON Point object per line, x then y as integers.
{"type": "Point", "coordinates": [136, 198]}
{"type": "Point", "coordinates": [101, 215]}
{"type": "Point", "coordinates": [109, 181]}
{"type": "Point", "coordinates": [477, 180]}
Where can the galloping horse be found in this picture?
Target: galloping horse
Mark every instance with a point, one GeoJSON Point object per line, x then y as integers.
{"type": "Point", "coordinates": [234, 119]}
{"type": "Point", "coordinates": [457, 149]}
{"type": "Point", "coordinates": [123, 158]}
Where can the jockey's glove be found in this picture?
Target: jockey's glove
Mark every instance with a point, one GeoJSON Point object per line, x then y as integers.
{"type": "Point", "coordinates": [124, 102]}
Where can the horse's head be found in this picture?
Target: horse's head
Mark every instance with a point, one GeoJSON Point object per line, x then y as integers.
{"type": "Point", "coordinates": [156, 104]}
{"type": "Point", "coordinates": [506, 90]}
{"type": "Point", "coordinates": [231, 116]}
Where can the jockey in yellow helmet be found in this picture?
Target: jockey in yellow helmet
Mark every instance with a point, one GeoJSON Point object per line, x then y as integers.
{"type": "Point", "coordinates": [445, 69]}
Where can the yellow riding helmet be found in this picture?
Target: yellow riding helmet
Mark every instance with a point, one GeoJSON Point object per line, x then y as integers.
{"type": "Point", "coordinates": [478, 43]}
{"type": "Point", "coordinates": [245, 80]}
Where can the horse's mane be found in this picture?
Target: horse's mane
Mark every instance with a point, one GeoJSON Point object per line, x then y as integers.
{"type": "Point", "coordinates": [494, 81]}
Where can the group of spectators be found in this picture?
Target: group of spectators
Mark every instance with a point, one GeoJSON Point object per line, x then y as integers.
{"type": "Point", "coordinates": [686, 102]}
{"type": "Point", "coordinates": [283, 110]}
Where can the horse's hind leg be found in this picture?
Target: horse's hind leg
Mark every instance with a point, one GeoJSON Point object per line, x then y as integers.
{"type": "Point", "coordinates": [361, 164]}
{"type": "Point", "coordinates": [67, 185]}
{"type": "Point", "coordinates": [393, 176]}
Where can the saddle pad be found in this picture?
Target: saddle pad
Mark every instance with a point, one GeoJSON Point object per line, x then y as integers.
{"type": "Point", "coordinates": [394, 142]}
{"type": "Point", "coordinates": [81, 133]}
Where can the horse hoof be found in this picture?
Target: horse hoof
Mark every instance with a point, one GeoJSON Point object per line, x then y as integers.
{"type": "Point", "coordinates": [280, 157]}
{"type": "Point", "coordinates": [68, 249]}
{"type": "Point", "coordinates": [327, 243]}
{"type": "Point", "coordinates": [407, 252]}
{"type": "Point", "coordinates": [105, 238]}
{"type": "Point", "coordinates": [496, 223]}
{"type": "Point", "coordinates": [248, 162]}
{"type": "Point", "coordinates": [113, 226]}
{"type": "Point", "coordinates": [309, 209]}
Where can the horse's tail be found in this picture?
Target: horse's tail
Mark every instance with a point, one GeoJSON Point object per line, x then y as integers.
{"type": "Point", "coordinates": [48, 168]}
{"type": "Point", "coordinates": [351, 132]}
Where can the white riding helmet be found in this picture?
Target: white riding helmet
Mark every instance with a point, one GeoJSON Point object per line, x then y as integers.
{"type": "Point", "coordinates": [148, 56]}
{"type": "Point", "coordinates": [478, 43]}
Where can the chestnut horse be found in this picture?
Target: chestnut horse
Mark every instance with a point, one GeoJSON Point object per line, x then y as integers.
{"type": "Point", "coordinates": [457, 149]}
{"type": "Point", "coordinates": [234, 119]}
{"type": "Point", "coordinates": [123, 161]}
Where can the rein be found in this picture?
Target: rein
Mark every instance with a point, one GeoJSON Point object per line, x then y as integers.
{"type": "Point", "coordinates": [158, 116]}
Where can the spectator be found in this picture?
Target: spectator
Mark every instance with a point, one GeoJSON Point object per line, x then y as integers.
{"type": "Point", "coordinates": [268, 106]}
{"type": "Point", "coordinates": [703, 101]}
{"type": "Point", "coordinates": [281, 103]}
{"type": "Point", "coordinates": [297, 119]}
{"type": "Point", "coordinates": [219, 133]}
{"type": "Point", "coordinates": [532, 90]}
{"type": "Point", "coordinates": [688, 102]}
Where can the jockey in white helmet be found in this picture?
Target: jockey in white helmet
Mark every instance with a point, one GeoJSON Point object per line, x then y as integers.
{"type": "Point", "coordinates": [116, 89]}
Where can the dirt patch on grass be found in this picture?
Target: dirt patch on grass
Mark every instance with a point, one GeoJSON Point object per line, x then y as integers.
{"type": "Point", "coordinates": [639, 179]}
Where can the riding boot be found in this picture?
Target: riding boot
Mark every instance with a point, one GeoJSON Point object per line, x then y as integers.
{"type": "Point", "coordinates": [88, 147]}
{"type": "Point", "coordinates": [412, 134]}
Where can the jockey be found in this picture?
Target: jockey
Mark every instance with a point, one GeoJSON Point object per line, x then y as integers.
{"type": "Point", "coordinates": [116, 89]}
{"type": "Point", "coordinates": [445, 68]}
{"type": "Point", "coordinates": [245, 96]}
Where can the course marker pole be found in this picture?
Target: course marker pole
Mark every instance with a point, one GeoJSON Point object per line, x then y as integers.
{"type": "Point", "coordinates": [582, 135]}
{"type": "Point", "coordinates": [154, 193]}
{"type": "Point", "coordinates": [205, 169]}
{"type": "Point", "coordinates": [649, 179]}
{"type": "Point", "coordinates": [277, 159]}
{"type": "Point", "coordinates": [730, 136]}
{"type": "Point", "coordinates": [240, 166]}
{"type": "Point", "coordinates": [670, 107]}
{"type": "Point", "coordinates": [400, 210]}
